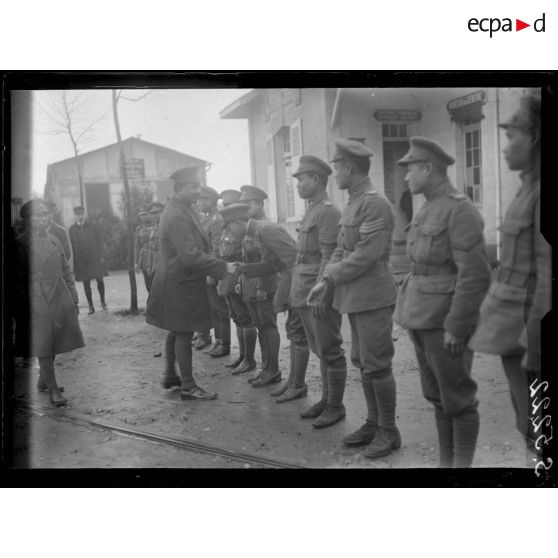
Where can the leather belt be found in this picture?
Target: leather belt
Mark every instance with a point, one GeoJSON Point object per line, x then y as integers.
{"type": "Point", "coordinates": [423, 269]}
{"type": "Point", "coordinates": [513, 277]}
{"type": "Point", "coordinates": [308, 257]}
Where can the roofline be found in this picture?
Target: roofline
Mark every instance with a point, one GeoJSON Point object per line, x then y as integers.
{"type": "Point", "coordinates": [228, 111]}
{"type": "Point", "coordinates": [131, 138]}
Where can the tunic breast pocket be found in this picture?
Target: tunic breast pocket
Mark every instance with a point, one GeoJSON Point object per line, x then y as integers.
{"type": "Point", "coordinates": [351, 233]}
{"type": "Point", "coordinates": [516, 244]}
{"type": "Point", "coordinates": [433, 245]}
{"type": "Point", "coordinates": [307, 237]}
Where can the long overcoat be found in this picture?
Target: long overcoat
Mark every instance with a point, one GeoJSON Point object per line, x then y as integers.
{"type": "Point", "coordinates": [46, 296]}
{"type": "Point", "coordinates": [178, 298]}
{"type": "Point", "coordinates": [88, 251]}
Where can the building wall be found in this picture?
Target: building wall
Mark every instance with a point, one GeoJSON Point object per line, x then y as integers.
{"type": "Point", "coordinates": [103, 167]}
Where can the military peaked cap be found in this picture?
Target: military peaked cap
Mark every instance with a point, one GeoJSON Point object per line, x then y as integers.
{"type": "Point", "coordinates": [349, 149]}
{"type": "Point", "coordinates": [251, 193]}
{"type": "Point", "coordinates": [235, 212]}
{"type": "Point", "coordinates": [155, 205]}
{"type": "Point", "coordinates": [33, 207]}
{"type": "Point", "coordinates": [189, 174]}
{"type": "Point", "coordinates": [209, 193]}
{"type": "Point", "coordinates": [527, 116]}
{"type": "Point", "coordinates": [313, 164]}
{"type": "Point", "coordinates": [229, 196]}
{"type": "Point", "coordinates": [425, 149]}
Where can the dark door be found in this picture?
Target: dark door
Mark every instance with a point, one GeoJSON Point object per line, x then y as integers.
{"type": "Point", "coordinates": [97, 199]}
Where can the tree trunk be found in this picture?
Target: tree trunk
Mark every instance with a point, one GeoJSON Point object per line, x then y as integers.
{"type": "Point", "coordinates": [127, 207]}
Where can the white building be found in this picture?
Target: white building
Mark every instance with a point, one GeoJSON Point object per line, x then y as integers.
{"type": "Point", "coordinates": [286, 123]}
{"type": "Point", "coordinates": [148, 166]}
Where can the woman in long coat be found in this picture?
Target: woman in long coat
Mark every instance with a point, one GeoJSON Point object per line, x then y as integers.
{"type": "Point", "coordinates": [46, 296]}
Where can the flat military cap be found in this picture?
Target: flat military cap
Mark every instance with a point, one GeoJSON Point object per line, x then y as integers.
{"type": "Point", "coordinates": [33, 207]}
{"type": "Point", "coordinates": [209, 193]}
{"type": "Point", "coordinates": [234, 212]}
{"type": "Point", "coordinates": [155, 205]}
{"type": "Point", "coordinates": [348, 149]}
{"type": "Point", "coordinates": [249, 193]}
{"type": "Point", "coordinates": [313, 164]}
{"type": "Point", "coordinates": [229, 196]}
{"type": "Point", "coordinates": [142, 211]}
{"type": "Point", "coordinates": [425, 149]}
{"type": "Point", "coordinates": [527, 116]}
{"type": "Point", "coordinates": [189, 174]}
{"type": "Point", "coordinates": [79, 209]}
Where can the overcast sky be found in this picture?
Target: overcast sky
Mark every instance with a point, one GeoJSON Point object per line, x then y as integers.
{"type": "Point", "coordinates": [183, 119]}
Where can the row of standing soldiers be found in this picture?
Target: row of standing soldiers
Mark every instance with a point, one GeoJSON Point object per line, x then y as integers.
{"type": "Point", "coordinates": [236, 264]}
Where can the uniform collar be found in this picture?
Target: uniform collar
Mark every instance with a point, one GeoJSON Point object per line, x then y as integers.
{"type": "Point", "coordinates": [322, 196]}
{"type": "Point", "coordinates": [439, 190]}
{"type": "Point", "coordinates": [360, 188]}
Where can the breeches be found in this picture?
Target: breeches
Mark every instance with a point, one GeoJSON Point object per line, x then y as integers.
{"type": "Point", "coordinates": [262, 313]}
{"type": "Point", "coordinates": [371, 343]}
{"type": "Point", "coordinates": [238, 311]}
{"type": "Point", "coordinates": [445, 379]}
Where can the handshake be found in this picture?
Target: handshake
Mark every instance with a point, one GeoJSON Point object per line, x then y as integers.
{"type": "Point", "coordinates": [232, 267]}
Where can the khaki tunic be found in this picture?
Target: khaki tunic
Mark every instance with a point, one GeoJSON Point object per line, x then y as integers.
{"type": "Point", "coordinates": [450, 273]}
{"type": "Point", "coordinates": [360, 267]}
{"type": "Point", "coordinates": [317, 239]}
{"type": "Point", "coordinates": [520, 296]}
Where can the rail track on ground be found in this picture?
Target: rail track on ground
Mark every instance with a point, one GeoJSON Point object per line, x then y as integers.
{"type": "Point", "coordinates": [178, 442]}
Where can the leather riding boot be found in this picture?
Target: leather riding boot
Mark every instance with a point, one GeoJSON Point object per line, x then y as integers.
{"type": "Point", "coordinates": [384, 387]}
{"type": "Point", "coordinates": [248, 362]}
{"type": "Point", "coordinates": [225, 332]}
{"type": "Point", "coordinates": [170, 377]}
{"type": "Point", "coordinates": [370, 396]}
{"type": "Point", "coordinates": [262, 338]}
{"type": "Point", "coordinates": [334, 411]}
{"type": "Point", "coordinates": [465, 433]}
{"type": "Point", "coordinates": [240, 358]}
{"type": "Point", "coordinates": [271, 374]}
{"type": "Point", "coordinates": [299, 363]}
{"type": "Point", "coordinates": [285, 386]}
{"type": "Point", "coordinates": [444, 425]}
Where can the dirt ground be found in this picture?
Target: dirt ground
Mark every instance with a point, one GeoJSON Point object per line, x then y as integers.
{"type": "Point", "coordinates": [116, 379]}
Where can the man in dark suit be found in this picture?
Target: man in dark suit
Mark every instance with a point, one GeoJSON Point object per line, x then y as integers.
{"type": "Point", "coordinates": [178, 300]}
{"type": "Point", "coordinates": [89, 256]}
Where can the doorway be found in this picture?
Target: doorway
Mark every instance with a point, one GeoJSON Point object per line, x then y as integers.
{"type": "Point", "coordinates": [97, 199]}
{"type": "Point", "coordinates": [395, 189]}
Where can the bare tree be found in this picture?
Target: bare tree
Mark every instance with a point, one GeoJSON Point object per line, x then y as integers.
{"type": "Point", "coordinates": [71, 112]}
{"type": "Point", "coordinates": [117, 95]}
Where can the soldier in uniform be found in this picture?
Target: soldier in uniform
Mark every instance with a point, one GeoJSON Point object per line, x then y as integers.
{"type": "Point", "coordinates": [317, 239]}
{"type": "Point", "coordinates": [258, 293]}
{"type": "Point", "coordinates": [178, 300]}
{"type": "Point", "coordinates": [520, 296]}
{"type": "Point", "coordinates": [365, 289]}
{"type": "Point", "coordinates": [278, 255]}
{"type": "Point", "coordinates": [155, 209]}
{"type": "Point", "coordinates": [230, 250]}
{"type": "Point", "coordinates": [141, 241]}
{"type": "Point", "coordinates": [220, 319]}
{"type": "Point", "coordinates": [439, 300]}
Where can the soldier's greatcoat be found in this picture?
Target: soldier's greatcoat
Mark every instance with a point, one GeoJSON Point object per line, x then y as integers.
{"type": "Point", "coordinates": [46, 296]}
{"type": "Point", "coordinates": [520, 296]}
{"type": "Point", "coordinates": [450, 273]}
{"type": "Point", "coordinates": [178, 299]}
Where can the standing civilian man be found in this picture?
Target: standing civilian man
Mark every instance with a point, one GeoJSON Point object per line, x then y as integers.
{"type": "Point", "coordinates": [89, 256]}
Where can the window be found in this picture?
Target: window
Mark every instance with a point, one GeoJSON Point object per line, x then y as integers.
{"type": "Point", "coordinates": [473, 163]}
{"type": "Point", "coordinates": [394, 131]}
